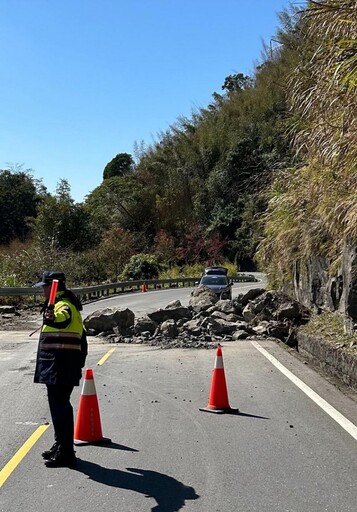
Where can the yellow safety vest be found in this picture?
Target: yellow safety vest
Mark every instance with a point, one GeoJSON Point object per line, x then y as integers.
{"type": "Point", "coordinates": [63, 335]}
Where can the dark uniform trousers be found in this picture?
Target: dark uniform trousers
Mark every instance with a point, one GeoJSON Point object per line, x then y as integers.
{"type": "Point", "coordinates": [62, 415]}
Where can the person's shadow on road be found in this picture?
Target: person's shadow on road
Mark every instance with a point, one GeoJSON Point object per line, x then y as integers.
{"type": "Point", "coordinates": [169, 493]}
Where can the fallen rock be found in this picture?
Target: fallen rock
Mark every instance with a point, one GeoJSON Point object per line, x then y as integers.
{"type": "Point", "coordinates": [104, 320]}
{"type": "Point", "coordinates": [6, 310]}
{"type": "Point", "coordinates": [202, 298]}
{"type": "Point", "coordinates": [144, 324]}
{"type": "Point", "coordinates": [205, 322]}
{"type": "Point", "coordinates": [169, 328]}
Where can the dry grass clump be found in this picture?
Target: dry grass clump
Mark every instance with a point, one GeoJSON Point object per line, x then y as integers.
{"type": "Point", "coordinates": [330, 327]}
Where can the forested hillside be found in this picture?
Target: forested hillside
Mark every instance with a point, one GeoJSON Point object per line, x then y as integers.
{"type": "Point", "coordinates": [313, 206]}
{"type": "Point", "coordinates": [263, 175]}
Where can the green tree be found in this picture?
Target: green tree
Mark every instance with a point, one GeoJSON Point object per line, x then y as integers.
{"type": "Point", "coordinates": [164, 247]}
{"type": "Point", "coordinates": [123, 202]}
{"type": "Point", "coordinates": [237, 82]}
{"type": "Point", "coordinates": [19, 197]}
{"type": "Point", "coordinates": [115, 249]}
{"type": "Point", "coordinates": [141, 266]}
{"type": "Point", "coordinates": [63, 224]}
{"type": "Point", "coordinates": [121, 164]}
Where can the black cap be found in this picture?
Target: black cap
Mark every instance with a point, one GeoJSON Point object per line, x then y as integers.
{"type": "Point", "coordinates": [49, 276]}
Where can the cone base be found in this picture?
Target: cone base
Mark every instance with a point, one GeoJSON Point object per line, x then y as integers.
{"type": "Point", "coordinates": [102, 440]}
{"type": "Point", "coordinates": [228, 410]}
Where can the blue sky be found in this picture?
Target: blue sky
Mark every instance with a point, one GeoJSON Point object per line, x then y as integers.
{"type": "Point", "coordinates": [82, 80]}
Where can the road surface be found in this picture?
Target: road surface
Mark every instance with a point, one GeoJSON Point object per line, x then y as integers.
{"type": "Point", "coordinates": [291, 448]}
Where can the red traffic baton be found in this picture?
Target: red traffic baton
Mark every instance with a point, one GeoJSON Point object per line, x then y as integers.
{"type": "Point", "coordinates": [53, 292]}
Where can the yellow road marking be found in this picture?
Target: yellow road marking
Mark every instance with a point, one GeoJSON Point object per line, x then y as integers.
{"type": "Point", "coordinates": [105, 357]}
{"type": "Point", "coordinates": [20, 454]}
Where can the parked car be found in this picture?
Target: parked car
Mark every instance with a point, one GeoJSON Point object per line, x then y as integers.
{"type": "Point", "coordinates": [218, 283]}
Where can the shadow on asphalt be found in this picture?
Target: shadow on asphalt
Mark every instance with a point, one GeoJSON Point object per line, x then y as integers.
{"type": "Point", "coordinates": [113, 446]}
{"type": "Point", "coordinates": [240, 413]}
{"type": "Point", "coordinates": [234, 412]}
{"type": "Point", "coordinates": [116, 446]}
{"type": "Point", "coordinates": [169, 493]}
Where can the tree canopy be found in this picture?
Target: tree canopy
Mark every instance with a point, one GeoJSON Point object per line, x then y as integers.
{"type": "Point", "coordinates": [61, 223]}
{"type": "Point", "coordinates": [121, 164]}
{"type": "Point", "coordinates": [19, 197]}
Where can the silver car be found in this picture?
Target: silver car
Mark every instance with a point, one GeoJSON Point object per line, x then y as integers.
{"type": "Point", "coordinates": [219, 284]}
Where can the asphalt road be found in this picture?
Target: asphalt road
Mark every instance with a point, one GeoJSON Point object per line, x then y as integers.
{"type": "Point", "coordinates": [141, 303]}
{"type": "Point", "coordinates": [285, 450]}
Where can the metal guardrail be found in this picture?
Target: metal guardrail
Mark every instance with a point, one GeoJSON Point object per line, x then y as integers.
{"type": "Point", "coordinates": [105, 290]}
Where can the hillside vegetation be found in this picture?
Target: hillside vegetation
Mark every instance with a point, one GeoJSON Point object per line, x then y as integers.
{"type": "Point", "coordinates": [313, 206]}
{"type": "Point", "coordinates": [263, 175]}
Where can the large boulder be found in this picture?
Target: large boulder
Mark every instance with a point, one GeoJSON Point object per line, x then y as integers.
{"type": "Point", "coordinates": [251, 294]}
{"type": "Point", "coordinates": [104, 320]}
{"type": "Point", "coordinates": [193, 327]}
{"type": "Point", "coordinates": [227, 317]}
{"type": "Point", "coordinates": [226, 306]}
{"type": "Point", "coordinates": [273, 305]}
{"type": "Point", "coordinates": [249, 312]}
{"type": "Point", "coordinates": [144, 324]}
{"type": "Point", "coordinates": [169, 328]}
{"type": "Point", "coordinates": [173, 311]}
{"type": "Point", "coordinates": [202, 298]}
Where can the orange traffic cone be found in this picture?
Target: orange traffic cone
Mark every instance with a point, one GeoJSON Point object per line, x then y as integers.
{"type": "Point", "coordinates": [144, 288]}
{"type": "Point", "coordinates": [218, 399]}
{"type": "Point", "coordinates": [88, 428]}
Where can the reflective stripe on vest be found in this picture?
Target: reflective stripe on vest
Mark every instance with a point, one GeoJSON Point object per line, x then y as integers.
{"type": "Point", "coordinates": [59, 334]}
{"type": "Point", "coordinates": [60, 341]}
{"type": "Point", "coordinates": [59, 346]}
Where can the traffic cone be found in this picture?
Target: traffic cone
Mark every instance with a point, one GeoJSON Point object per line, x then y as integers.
{"type": "Point", "coordinates": [218, 398]}
{"type": "Point", "coordinates": [143, 287]}
{"type": "Point", "coordinates": [88, 428]}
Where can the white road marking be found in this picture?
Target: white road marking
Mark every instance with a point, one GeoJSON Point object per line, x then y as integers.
{"type": "Point", "coordinates": [26, 423]}
{"type": "Point", "coordinates": [325, 406]}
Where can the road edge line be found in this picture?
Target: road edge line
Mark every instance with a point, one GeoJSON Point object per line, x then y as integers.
{"type": "Point", "coordinates": [346, 424]}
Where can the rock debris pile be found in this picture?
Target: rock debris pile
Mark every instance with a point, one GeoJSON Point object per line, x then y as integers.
{"type": "Point", "coordinates": [205, 322]}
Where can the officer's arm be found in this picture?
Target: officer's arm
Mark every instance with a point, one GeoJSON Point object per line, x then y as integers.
{"type": "Point", "coordinates": [60, 319]}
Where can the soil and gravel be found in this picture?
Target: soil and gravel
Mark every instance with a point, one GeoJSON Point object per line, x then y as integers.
{"type": "Point", "coordinates": [20, 319]}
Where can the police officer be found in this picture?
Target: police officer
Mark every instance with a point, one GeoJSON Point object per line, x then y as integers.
{"type": "Point", "coordinates": [61, 355]}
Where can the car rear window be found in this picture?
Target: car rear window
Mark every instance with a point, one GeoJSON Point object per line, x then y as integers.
{"type": "Point", "coordinates": [216, 271]}
{"type": "Point", "coordinates": [214, 280]}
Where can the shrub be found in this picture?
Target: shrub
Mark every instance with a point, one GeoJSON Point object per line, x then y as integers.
{"type": "Point", "coordinates": [141, 266]}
